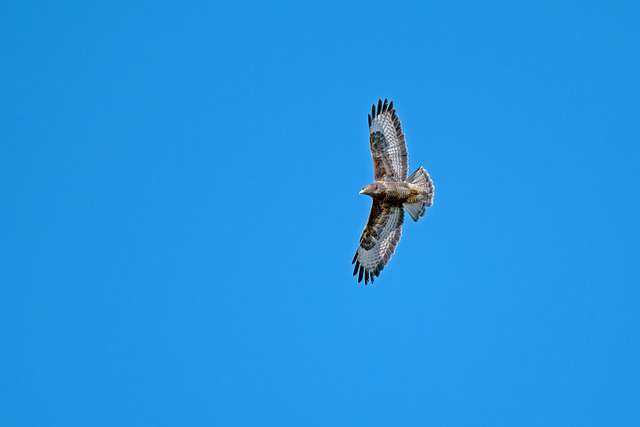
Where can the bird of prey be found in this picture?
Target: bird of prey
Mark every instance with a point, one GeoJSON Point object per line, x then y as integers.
{"type": "Point", "coordinates": [392, 192]}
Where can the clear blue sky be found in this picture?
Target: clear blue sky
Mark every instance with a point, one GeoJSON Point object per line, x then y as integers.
{"type": "Point", "coordinates": [180, 208]}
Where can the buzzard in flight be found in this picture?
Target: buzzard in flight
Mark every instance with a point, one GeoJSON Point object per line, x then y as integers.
{"type": "Point", "coordinates": [392, 192]}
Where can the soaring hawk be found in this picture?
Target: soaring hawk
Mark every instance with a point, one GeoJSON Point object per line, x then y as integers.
{"type": "Point", "coordinates": [392, 192]}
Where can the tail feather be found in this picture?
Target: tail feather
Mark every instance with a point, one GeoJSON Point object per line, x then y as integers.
{"type": "Point", "coordinates": [422, 179]}
{"type": "Point", "coordinates": [416, 210]}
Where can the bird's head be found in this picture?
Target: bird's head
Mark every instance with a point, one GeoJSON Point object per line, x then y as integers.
{"type": "Point", "coordinates": [370, 189]}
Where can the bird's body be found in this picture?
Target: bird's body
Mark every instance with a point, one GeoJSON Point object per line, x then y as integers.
{"type": "Point", "coordinates": [392, 192]}
{"type": "Point", "coordinates": [396, 193]}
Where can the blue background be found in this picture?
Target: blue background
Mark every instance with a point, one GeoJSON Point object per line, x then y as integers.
{"type": "Point", "coordinates": [180, 208]}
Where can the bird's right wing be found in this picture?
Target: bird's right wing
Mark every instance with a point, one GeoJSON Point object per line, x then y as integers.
{"type": "Point", "coordinates": [378, 241]}
{"type": "Point", "coordinates": [388, 148]}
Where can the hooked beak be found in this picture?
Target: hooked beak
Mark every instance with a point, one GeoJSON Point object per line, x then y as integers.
{"type": "Point", "coordinates": [361, 191]}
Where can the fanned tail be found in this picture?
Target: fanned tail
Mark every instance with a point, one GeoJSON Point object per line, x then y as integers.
{"type": "Point", "coordinates": [422, 179]}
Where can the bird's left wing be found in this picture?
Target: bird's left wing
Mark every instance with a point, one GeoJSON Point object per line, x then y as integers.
{"type": "Point", "coordinates": [378, 241]}
{"type": "Point", "coordinates": [388, 148]}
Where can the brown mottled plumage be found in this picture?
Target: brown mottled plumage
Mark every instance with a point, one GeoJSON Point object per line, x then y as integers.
{"type": "Point", "coordinates": [392, 192]}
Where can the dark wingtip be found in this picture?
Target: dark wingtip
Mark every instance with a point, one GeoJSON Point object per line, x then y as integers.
{"type": "Point", "coordinates": [366, 277]}
{"type": "Point", "coordinates": [369, 117]}
{"type": "Point", "coordinates": [384, 106]}
{"type": "Point", "coordinates": [390, 108]}
{"type": "Point", "coordinates": [355, 257]}
{"type": "Point", "coordinates": [360, 274]}
{"type": "Point", "coordinates": [355, 270]}
{"type": "Point", "coordinates": [379, 106]}
{"type": "Point", "coordinates": [373, 111]}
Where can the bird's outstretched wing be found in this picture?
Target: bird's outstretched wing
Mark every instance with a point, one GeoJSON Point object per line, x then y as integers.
{"type": "Point", "coordinates": [378, 241]}
{"type": "Point", "coordinates": [388, 149]}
